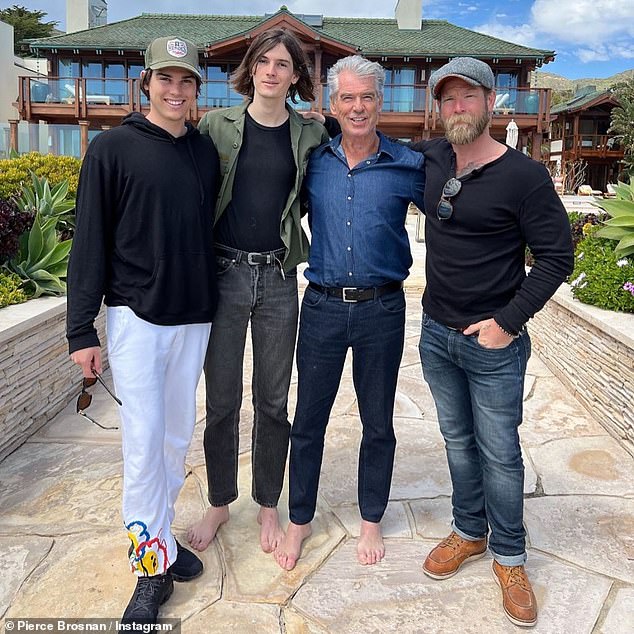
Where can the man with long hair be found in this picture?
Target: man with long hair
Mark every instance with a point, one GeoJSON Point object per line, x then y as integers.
{"type": "Point", "coordinates": [264, 146]}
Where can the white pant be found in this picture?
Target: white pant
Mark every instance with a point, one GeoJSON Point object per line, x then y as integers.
{"type": "Point", "coordinates": [155, 371]}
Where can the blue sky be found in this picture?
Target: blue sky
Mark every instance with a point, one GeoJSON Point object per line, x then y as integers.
{"type": "Point", "coordinates": [592, 38]}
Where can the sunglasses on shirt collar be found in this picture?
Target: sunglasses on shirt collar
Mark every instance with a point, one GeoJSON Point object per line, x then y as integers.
{"type": "Point", "coordinates": [451, 189]}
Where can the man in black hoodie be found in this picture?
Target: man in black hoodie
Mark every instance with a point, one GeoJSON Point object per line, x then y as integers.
{"type": "Point", "coordinates": [143, 244]}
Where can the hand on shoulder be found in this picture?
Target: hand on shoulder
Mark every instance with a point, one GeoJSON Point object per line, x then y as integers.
{"type": "Point", "coordinates": [310, 114]}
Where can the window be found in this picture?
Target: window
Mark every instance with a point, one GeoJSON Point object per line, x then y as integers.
{"type": "Point", "coordinates": [399, 90]}
{"type": "Point", "coordinates": [68, 68]}
{"type": "Point", "coordinates": [93, 69]}
{"type": "Point", "coordinates": [116, 87]}
{"type": "Point", "coordinates": [506, 83]}
{"type": "Point", "coordinates": [216, 91]}
{"type": "Point", "coordinates": [134, 72]}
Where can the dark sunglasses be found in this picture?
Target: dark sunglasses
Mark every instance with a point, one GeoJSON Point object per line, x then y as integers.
{"type": "Point", "coordinates": [452, 187]}
{"type": "Point", "coordinates": [85, 399]}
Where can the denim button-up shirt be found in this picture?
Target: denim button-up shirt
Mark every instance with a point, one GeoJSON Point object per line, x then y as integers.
{"type": "Point", "coordinates": [357, 216]}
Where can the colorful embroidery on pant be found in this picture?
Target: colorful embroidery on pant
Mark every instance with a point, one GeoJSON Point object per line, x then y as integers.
{"type": "Point", "coordinates": [147, 556]}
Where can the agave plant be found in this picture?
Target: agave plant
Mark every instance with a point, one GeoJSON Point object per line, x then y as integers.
{"type": "Point", "coordinates": [53, 203]}
{"type": "Point", "coordinates": [42, 261]}
{"type": "Point", "coordinates": [620, 225]}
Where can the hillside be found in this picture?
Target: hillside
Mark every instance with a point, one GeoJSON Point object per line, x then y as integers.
{"type": "Point", "coordinates": [562, 84]}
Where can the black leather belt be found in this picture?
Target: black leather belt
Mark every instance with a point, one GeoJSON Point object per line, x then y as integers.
{"type": "Point", "coordinates": [354, 294]}
{"type": "Point", "coordinates": [252, 258]}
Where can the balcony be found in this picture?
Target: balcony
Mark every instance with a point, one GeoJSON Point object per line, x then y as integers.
{"type": "Point", "coordinates": [406, 107]}
{"type": "Point", "coordinates": [588, 146]}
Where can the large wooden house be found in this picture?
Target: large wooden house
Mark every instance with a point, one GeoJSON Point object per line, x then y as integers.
{"type": "Point", "coordinates": [93, 75]}
{"type": "Point", "coordinates": [580, 133]}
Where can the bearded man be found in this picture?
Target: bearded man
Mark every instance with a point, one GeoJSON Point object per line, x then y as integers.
{"type": "Point", "coordinates": [484, 203]}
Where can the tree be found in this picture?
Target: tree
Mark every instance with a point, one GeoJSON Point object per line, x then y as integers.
{"type": "Point", "coordinates": [560, 96]}
{"type": "Point", "coordinates": [622, 121]}
{"type": "Point", "coordinates": [26, 25]}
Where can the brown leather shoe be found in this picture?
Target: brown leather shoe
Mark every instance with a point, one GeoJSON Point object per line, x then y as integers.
{"type": "Point", "coordinates": [517, 595]}
{"type": "Point", "coordinates": [445, 559]}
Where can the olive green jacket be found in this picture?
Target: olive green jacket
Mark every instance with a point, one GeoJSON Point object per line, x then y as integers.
{"type": "Point", "coordinates": [225, 127]}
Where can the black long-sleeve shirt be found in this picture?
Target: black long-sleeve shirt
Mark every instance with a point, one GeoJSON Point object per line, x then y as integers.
{"type": "Point", "coordinates": [475, 260]}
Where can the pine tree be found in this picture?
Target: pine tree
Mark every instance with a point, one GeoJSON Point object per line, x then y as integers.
{"type": "Point", "coordinates": [26, 25]}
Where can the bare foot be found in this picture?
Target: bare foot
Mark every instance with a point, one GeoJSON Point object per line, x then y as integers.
{"type": "Point", "coordinates": [271, 533]}
{"type": "Point", "coordinates": [370, 549]}
{"type": "Point", "coordinates": [202, 533]}
{"type": "Point", "coordinates": [290, 548]}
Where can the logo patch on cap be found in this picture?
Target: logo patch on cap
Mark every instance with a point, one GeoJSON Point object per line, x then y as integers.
{"type": "Point", "coordinates": [177, 48]}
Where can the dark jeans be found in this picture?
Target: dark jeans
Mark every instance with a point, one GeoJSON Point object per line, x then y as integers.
{"type": "Point", "coordinates": [259, 295]}
{"type": "Point", "coordinates": [374, 329]}
{"type": "Point", "coordinates": [478, 394]}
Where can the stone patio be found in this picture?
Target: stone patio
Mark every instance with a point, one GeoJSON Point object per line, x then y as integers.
{"type": "Point", "coordinates": [64, 550]}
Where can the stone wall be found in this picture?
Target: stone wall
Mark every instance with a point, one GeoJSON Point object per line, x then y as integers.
{"type": "Point", "coordinates": [37, 379]}
{"type": "Point", "coordinates": [592, 352]}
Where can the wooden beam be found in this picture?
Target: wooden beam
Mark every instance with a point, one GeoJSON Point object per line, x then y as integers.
{"type": "Point", "coordinates": [13, 134]}
{"type": "Point", "coordinates": [83, 137]}
{"type": "Point", "coordinates": [317, 76]}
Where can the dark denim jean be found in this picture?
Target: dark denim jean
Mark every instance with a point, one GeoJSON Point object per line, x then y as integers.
{"type": "Point", "coordinates": [478, 394]}
{"type": "Point", "coordinates": [374, 329]}
{"type": "Point", "coordinates": [258, 295]}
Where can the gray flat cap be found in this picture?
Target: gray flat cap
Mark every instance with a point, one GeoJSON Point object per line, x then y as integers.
{"type": "Point", "coordinates": [469, 69]}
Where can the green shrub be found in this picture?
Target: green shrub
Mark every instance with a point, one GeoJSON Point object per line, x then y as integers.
{"type": "Point", "coordinates": [13, 223]}
{"type": "Point", "coordinates": [11, 291]}
{"type": "Point", "coordinates": [39, 197]}
{"type": "Point", "coordinates": [42, 260]}
{"type": "Point", "coordinates": [581, 223]}
{"type": "Point", "coordinates": [602, 278]}
{"type": "Point", "coordinates": [620, 226]}
{"type": "Point", "coordinates": [14, 172]}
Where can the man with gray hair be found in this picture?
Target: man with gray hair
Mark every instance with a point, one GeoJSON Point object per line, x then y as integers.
{"type": "Point", "coordinates": [357, 190]}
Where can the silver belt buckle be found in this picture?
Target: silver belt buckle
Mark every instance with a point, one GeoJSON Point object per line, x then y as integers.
{"type": "Point", "coordinates": [344, 290]}
{"type": "Point", "coordinates": [250, 257]}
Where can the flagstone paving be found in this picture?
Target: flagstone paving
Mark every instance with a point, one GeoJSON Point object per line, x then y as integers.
{"type": "Point", "coordinates": [63, 552]}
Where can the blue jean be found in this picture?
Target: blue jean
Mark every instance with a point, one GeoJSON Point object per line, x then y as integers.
{"type": "Point", "coordinates": [478, 394]}
{"type": "Point", "coordinates": [374, 329]}
{"type": "Point", "coordinates": [259, 295]}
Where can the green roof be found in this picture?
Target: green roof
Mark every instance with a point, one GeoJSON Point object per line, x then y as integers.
{"type": "Point", "coordinates": [374, 37]}
{"type": "Point", "coordinates": [581, 101]}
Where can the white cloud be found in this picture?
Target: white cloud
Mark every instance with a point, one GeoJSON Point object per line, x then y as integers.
{"type": "Point", "coordinates": [521, 34]}
{"type": "Point", "coordinates": [592, 30]}
{"type": "Point", "coordinates": [589, 23]}
{"type": "Point", "coordinates": [598, 54]}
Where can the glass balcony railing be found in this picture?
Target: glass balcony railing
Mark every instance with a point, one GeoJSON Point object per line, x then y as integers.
{"type": "Point", "coordinates": [590, 142]}
{"type": "Point", "coordinates": [403, 98]}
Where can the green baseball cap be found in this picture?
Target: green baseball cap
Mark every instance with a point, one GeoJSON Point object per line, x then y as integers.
{"type": "Point", "coordinates": [164, 52]}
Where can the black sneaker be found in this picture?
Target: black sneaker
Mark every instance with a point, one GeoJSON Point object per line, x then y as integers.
{"type": "Point", "coordinates": [150, 593]}
{"type": "Point", "coordinates": [187, 566]}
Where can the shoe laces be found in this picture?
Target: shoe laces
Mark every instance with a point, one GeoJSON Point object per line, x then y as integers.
{"type": "Point", "coordinates": [148, 591]}
{"type": "Point", "coordinates": [452, 541]}
{"type": "Point", "coordinates": [517, 576]}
